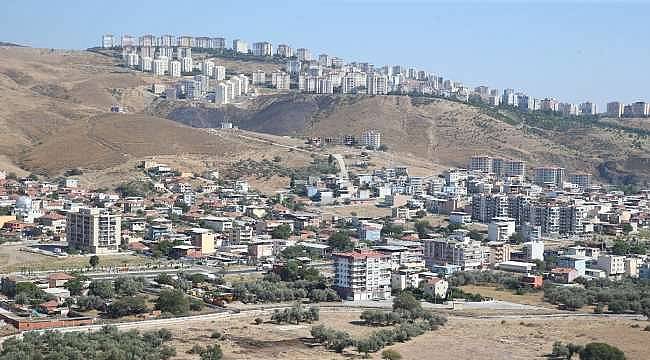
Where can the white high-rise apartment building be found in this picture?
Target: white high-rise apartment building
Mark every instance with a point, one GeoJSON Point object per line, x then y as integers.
{"type": "Point", "coordinates": [207, 68]}
{"type": "Point", "coordinates": [351, 81]}
{"type": "Point", "coordinates": [146, 64]}
{"type": "Point", "coordinates": [94, 230]}
{"type": "Point", "coordinates": [262, 49]}
{"type": "Point", "coordinates": [245, 82]}
{"type": "Point", "coordinates": [108, 41]}
{"type": "Point", "coordinates": [132, 59]}
{"type": "Point", "coordinates": [219, 72]}
{"type": "Point", "coordinates": [187, 65]}
{"type": "Point", "coordinates": [231, 89]}
{"type": "Point", "coordinates": [293, 67]}
{"type": "Point", "coordinates": [362, 275]}
{"type": "Point", "coordinates": [371, 138]}
{"type": "Point", "coordinates": [182, 52]}
{"type": "Point", "coordinates": [221, 94]}
{"type": "Point", "coordinates": [280, 80]}
{"type": "Point", "coordinates": [325, 60]}
{"type": "Point", "coordinates": [377, 84]}
{"type": "Point", "coordinates": [284, 51]}
{"type": "Point", "coordinates": [259, 77]}
{"type": "Point", "coordinates": [128, 41]}
{"type": "Point", "coordinates": [303, 54]}
{"type": "Point", "coordinates": [159, 67]}
{"type": "Point", "coordinates": [167, 41]}
{"type": "Point", "coordinates": [175, 68]}
{"type": "Point", "coordinates": [239, 46]}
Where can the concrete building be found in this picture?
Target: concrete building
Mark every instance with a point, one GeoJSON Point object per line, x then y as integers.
{"type": "Point", "coordinates": [362, 275]}
{"type": "Point", "coordinates": [221, 96]}
{"type": "Point", "coordinates": [482, 163]}
{"type": "Point", "coordinates": [94, 230]}
{"type": "Point", "coordinates": [615, 109]}
{"type": "Point", "coordinates": [219, 72]}
{"type": "Point", "coordinates": [159, 67]}
{"type": "Point", "coordinates": [577, 262]}
{"type": "Point", "coordinates": [587, 108]}
{"type": "Point", "coordinates": [377, 84]}
{"type": "Point", "coordinates": [280, 80]}
{"type": "Point", "coordinates": [258, 77]}
{"type": "Point", "coordinates": [108, 41]}
{"type": "Point", "coordinates": [175, 68]}
{"type": "Point", "coordinates": [146, 64]}
{"type": "Point", "coordinates": [638, 109]}
{"type": "Point", "coordinates": [284, 51]}
{"type": "Point", "coordinates": [207, 68]}
{"type": "Point", "coordinates": [371, 138]}
{"type": "Point", "coordinates": [499, 251]}
{"type": "Point", "coordinates": [583, 180]}
{"type": "Point", "coordinates": [128, 41]}
{"type": "Point", "coordinates": [262, 49]}
{"type": "Point", "coordinates": [534, 250]}
{"type": "Point", "coordinates": [203, 239]}
{"type": "Point", "coordinates": [239, 46]}
{"type": "Point", "coordinates": [303, 54]}
{"type": "Point", "coordinates": [613, 265]}
{"type": "Point", "coordinates": [549, 176]}
{"type": "Point", "coordinates": [186, 65]}
{"type": "Point", "coordinates": [457, 250]}
{"type": "Point", "coordinates": [501, 228]}
{"type": "Point", "coordinates": [436, 287]}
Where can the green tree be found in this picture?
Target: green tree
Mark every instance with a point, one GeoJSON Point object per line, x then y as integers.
{"type": "Point", "coordinates": [128, 305]}
{"type": "Point", "coordinates": [627, 228]}
{"type": "Point", "coordinates": [601, 351]}
{"type": "Point", "coordinates": [621, 247]}
{"type": "Point", "coordinates": [422, 227]}
{"type": "Point", "coordinates": [128, 285]}
{"type": "Point", "coordinates": [173, 301]}
{"type": "Point", "coordinates": [517, 238]}
{"type": "Point", "coordinates": [340, 241]}
{"type": "Point", "coordinates": [102, 288]}
{"type": "Point", "coordinates": [94, 261]}
{"type": "Point", "coordinates": [281, 232]}
{"type": "Point", "coordinates": [212, 352]}
{"type": "Point", "coordinates": [75, 286]}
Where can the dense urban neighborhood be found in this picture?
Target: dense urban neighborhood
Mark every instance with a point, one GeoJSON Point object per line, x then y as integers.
{"type": "Point", "coordinates": [317, 244]}
{"type": "Point", "coordinates": [203, 78]}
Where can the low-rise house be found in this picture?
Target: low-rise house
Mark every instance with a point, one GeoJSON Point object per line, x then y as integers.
{"type": "Point", "coordinates": [436, 287]}
{"type": "Point", "coordinates": [59, 279]}
{"type": "Point", "coordinates": [563, 275]}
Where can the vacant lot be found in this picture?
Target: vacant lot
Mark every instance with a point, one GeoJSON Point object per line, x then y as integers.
{"type": "Point", "coordinates": [14, 259]}
{"type": "Point", "coordinates": [533, 298]}
{"type": "Point", "coordinates": [531, 339]}
{"type": "Point", "coordinates": [461, 338]}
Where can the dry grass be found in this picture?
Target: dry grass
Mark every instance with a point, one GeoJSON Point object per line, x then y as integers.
{"type": "Point", "coordinates": [13, 259]}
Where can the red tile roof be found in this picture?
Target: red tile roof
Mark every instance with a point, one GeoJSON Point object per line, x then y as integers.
{"type": "Point", "coordinates": [361, 254]}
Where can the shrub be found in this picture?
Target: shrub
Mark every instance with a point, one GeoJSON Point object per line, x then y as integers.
{"type": "Point", "coordinates": [216, 335]}
{"type": "Point", "coordinates": [390, 354]}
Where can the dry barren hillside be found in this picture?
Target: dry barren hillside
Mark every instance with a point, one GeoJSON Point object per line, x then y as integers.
{"type": "Point", "coordinates": [442, 131]}
{"type": "Point", "coordinates": [56, 117]}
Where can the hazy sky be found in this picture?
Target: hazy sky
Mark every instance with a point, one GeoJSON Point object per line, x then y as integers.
{"type": "Point", "coordinates": [575, 51]}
